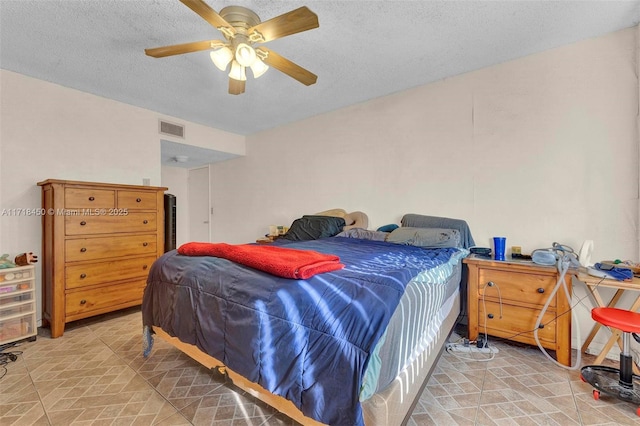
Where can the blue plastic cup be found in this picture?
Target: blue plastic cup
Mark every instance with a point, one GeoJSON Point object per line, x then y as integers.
{"type": "Point", "coordinates": [499, 245]}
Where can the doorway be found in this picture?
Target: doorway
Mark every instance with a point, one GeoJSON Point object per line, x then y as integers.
{"type": "Point", "coordinates": [199, 204]}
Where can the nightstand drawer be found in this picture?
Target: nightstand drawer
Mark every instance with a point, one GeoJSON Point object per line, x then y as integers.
{"type": "Point", "coordinates": [522, 287]}
{"type": "Point", "coordinates": [516, 320]}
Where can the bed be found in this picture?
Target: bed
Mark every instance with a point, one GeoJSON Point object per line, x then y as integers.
{"type": "Point", "coordinates": [351, 346]}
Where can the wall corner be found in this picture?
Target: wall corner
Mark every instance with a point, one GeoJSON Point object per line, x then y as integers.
{"type": "Point", "coordinates": [636, 58]}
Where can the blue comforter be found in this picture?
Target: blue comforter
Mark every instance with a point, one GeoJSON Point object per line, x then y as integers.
{"type": "Point", "coordinates": [306, 340]}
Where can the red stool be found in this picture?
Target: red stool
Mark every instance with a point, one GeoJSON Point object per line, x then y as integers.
{"type": "Point", "coordinates": [617, 382]}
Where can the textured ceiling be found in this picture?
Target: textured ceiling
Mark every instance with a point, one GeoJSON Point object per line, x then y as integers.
{"type": "Point", "coordinates": [362, 50]}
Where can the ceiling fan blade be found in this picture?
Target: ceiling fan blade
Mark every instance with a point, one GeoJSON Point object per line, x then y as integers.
{"type": "Point", "coordinates": [236, 87]}
{"type": "Point", "coordinates": [178, 49]}
{"type": "Point", "coordinates": [284, 65]}
{"type": "Point", "coordinates": [208, 14]}
{"type": "Point", "coordinates": [296, 21]}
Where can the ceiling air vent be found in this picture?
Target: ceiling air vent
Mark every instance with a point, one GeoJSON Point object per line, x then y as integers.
{"type": "Point", "coordinates": [171, 129]}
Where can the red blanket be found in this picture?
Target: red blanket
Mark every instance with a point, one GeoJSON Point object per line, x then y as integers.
{"type": "Point", "coordinates": [280, 261]}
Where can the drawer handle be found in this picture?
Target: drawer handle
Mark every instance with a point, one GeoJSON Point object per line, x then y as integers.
{"type": "Point", "coordinates": [138, 200]}
{"type": "Point", "coordinates": [83, 249]}
{"type": "Point", "coordinates": [490, 316]}
{"type": "Point", "coordinates": [145, 244]}
{"type": "Point", "coordinates": [541, 326]}
{"type": "Point", "coordinates": [83, 223]}
{"type": "Point", "coordinates": [541, 290]}
{"type": "Point", "coordinates": [92, 198]}
{"type": "Point", "coordinates": [145, 221]}
{"type": "Point", "coordinates": [83, 276]}
{"type": "Point", "coordinates": [144, 266]}
{"type": "Point", "coordinates": [490, 284]}
{"type": "Point", "coordinates": [83, 302]}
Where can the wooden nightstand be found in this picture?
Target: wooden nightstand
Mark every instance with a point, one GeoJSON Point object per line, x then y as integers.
{"type": "Point", "coordinates": [513, 294]}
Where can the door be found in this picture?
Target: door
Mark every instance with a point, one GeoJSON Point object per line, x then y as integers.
{"type": "Point", "coordinates": [199, 205]}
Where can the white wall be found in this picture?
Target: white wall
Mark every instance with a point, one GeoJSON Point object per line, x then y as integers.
{"type": "Point", "coordinates": [49, 131]}
{"type": "Point", "coordinates": [540, 149]}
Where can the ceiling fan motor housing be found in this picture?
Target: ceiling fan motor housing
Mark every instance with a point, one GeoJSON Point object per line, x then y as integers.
{"type": "Point", "coordinates": [240, 18]}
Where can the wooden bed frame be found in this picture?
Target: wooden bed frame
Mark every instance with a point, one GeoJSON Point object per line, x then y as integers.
{"type": "Point", "coordinates": [393, 406]}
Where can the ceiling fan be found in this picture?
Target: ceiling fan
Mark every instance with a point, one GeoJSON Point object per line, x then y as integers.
{"type": "Point", "coordinates": [242, 29]}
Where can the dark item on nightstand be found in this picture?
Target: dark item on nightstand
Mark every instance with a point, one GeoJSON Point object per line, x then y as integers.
{"type": "Point", "coordinates": [520, 256]}
{"type": "Point", "coordinates": [620, 382]}
{"type": "Point", "coordinates": [481, 251]}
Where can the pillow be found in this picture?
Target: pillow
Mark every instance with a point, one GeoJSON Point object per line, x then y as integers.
{"type": "Point", "coordinates": [333, 212]}
{"type": "Point", "coordinates": [388, 228]}
{"type": "Point", "coordinates": [363, 234]}
{"type": "Point", "coordinates": [314, 227]}
{"type": "Point", "coordinates": [422, 221]}
{"type": "Point", "coordinates": [425, 237]}
{"type": "Point", "coordinates": [356, 220]}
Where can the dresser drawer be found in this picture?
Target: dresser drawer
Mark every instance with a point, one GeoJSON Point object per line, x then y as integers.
{"type": "Point", "coordinates": [110, 223]}
{"type": "Point", "coordinates": [515, 320]}
{"type": "Point", "coordinates": [521, 287]}
{"type": "Point", "coordinates": [105, 247]}
{"type": "Point", "coordinates": [90, 274]}
{"type": "Point", "coordinates": [76, 198]}
{"type": "Point", "coordinates": [137, 200]}
{"type": "Point", "coordinates": [85, 302]}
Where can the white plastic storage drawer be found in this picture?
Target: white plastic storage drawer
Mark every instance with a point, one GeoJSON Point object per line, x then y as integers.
{"type": "Point", "coordinates": [11, 310]}
{"type": "Point", "coordinates": [17, 328]}
{"type": "Point", "coordinates": [17, 304]}
{"type": "Point", "coordinates": [8, 289]}
{"type": "Point", "coordinates": [16, 274]}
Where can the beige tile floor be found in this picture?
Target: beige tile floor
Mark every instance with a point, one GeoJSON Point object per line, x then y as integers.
{"type": "Point", "coordinates": [95, 375]}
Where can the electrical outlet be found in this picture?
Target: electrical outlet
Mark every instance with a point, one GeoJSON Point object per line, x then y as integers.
{"type": "Point", "coordinates": [482, 343]}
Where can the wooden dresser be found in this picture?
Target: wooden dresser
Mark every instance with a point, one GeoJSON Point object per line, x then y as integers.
{"type": "Point", "coordinates": [99, 241]}
{"type": "Point", "coordinates": [505, 300]}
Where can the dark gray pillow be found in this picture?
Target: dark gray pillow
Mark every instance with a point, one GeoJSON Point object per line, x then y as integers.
{"type": "Point", "coordinates": [422, 221]}
{"type": "Point", "coordinates": [314, 227]}
{"type": "Point", "coordinates": [425, 237]}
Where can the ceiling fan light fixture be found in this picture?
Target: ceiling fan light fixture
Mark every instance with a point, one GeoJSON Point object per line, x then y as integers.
{"type": "Point", "coordinates": [258, 68]}
{"type": "Point", "coordinates": [245, 54]}
{"type": "Point", "coordinates": [237, 72]}
{"type": "Point", "coordinates": [242, 29]}
{"type": "Point", "coordinates": [221, 57]}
